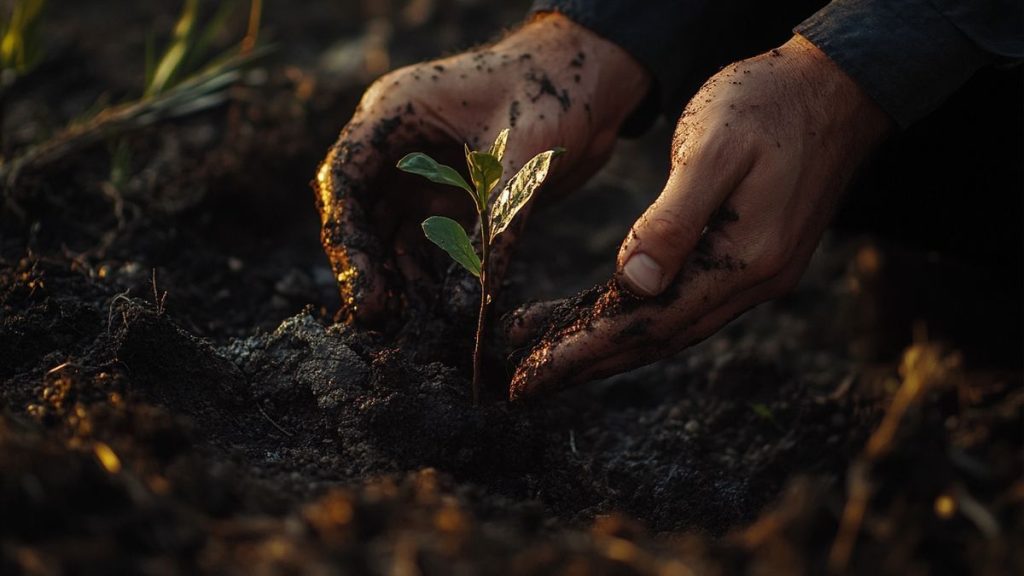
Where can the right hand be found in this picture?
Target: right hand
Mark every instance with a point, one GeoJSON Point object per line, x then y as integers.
{"type": "Point", "coordinates": [760, 159]}
{"type": "Point", "coordinates": [552, 81]}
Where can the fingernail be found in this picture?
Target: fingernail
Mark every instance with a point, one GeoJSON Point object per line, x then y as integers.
{"type": "Point", "coordinates": [643, 273]}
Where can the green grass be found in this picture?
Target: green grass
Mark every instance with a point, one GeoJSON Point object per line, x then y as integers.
{"type": "Point", "coordinates": [188, 49]}
{"type": "Point", "coordinates": [183, 80]}
{"type": "Point", "coordinates": [20, 37]}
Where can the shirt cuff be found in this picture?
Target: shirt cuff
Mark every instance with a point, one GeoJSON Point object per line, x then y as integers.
{"type": "Point", "coordinates": [903, 53]}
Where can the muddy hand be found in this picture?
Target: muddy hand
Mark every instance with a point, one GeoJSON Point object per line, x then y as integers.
{"type": "Point", "coordinates": [552, 82]}
{"type": "Point", "coordinates": [759, 160]}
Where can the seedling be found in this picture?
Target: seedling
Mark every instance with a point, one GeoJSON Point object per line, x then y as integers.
{"type": "Point", "coordinates": [485, 172]}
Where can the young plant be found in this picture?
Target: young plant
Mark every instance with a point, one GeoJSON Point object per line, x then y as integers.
{"type": "Point", "coordinates": [485, 172]}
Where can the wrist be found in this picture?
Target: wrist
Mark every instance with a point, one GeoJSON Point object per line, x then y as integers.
{"type": "Point", "coordinates": [839, 100]}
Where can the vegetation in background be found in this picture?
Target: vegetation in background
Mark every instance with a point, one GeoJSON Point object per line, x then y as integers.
{"type": "Point", "coordinates": [21, 46]}
{"type": "Point", "coordinates": [190, 43]}
{"type": "Point", "coordinates": [20, 41]}
{"type": "Point", "coordinates": [183, 80]}
{"type": "Point", "coordinates": [485, 171]}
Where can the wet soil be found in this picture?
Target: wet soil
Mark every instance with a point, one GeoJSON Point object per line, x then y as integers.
{"type": "Point", "coordinates": [176, 396]}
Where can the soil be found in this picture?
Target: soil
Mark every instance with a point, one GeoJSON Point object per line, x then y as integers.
{"type": "Point", "coordinates": [177, 397]}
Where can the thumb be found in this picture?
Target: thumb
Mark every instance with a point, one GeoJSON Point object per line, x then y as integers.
{"type": "Point", "coordinates": [661, 239]}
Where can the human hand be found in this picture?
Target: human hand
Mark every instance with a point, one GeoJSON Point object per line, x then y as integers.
{"type": "Point", "coordinates": [553, 82]}
{"type": "Point", "coordinates": [759, 160]}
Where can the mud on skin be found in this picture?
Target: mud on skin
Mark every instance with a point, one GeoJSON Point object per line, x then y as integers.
{"type": "Point", "coordinates": [578, 313]}
{"type": "Point", "coordinates": [343, 199]}
{"type": "Point", "coordinates": [574, 315]}
{"type": "Point", "coordinates": [344, 186]}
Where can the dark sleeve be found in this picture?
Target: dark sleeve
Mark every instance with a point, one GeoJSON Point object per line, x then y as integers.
{"type": "Point", "coordinates": [909, 55]}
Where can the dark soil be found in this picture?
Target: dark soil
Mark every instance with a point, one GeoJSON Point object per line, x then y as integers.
{"type": "Point", "coordinates": [175, 396]}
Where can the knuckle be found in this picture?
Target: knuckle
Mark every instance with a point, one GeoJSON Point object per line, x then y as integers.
{"type": "Point", "coordinates": [667, 228]}
{"type": "Point", "coordinates": [374, 92]}
{"type": "Point", "coordinates": [381, 88]}
{"type": "Point", "coordinates": [720, 149]}
{"type": "Point", "coordinates": [769, 260]}
{"type": "Point", "coordinates": [715, 150]}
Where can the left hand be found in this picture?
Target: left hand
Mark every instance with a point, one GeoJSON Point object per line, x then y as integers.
{"type": "Point", "coordinates": [371, 213]}
{"type": "Point", "coordinates": [760, 158]}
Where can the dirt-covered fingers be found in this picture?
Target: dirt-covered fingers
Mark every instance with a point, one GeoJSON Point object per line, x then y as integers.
{"type": "Point", "coordinates": [605, 331]}
{"type": "Point", "coordinates": [617, 331]}
{"type": "Point", "coordinates": [525, 324]}
{"type": "Point", "coordinates": [640, 351]}
{"type": "Point", "coordinates": [348, 187]}
{"type": "Point", "coordinates": [354, 249]}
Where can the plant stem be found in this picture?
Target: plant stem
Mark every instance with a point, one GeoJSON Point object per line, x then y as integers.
{"type": "Point", "coordinates": [481, 324]}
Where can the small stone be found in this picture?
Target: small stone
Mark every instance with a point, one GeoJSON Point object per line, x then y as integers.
{"type": "Point", "coordinates": [692, 426]}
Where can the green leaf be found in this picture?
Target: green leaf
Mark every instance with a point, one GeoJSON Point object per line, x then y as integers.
{"type": "Point", "coordinates": [485, 171]}
{"type": "Point", "coordinates": [423, 165]}
{"type": "Point", "coordinates": [452, 237]}
{"type": "Point", "coordinates": [498, 148]}
{"type": "Point", "coordinates": [520, 189]}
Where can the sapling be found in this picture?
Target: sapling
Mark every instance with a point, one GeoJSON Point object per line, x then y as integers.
{"type": "Point", "coordinates": [485, 172]}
